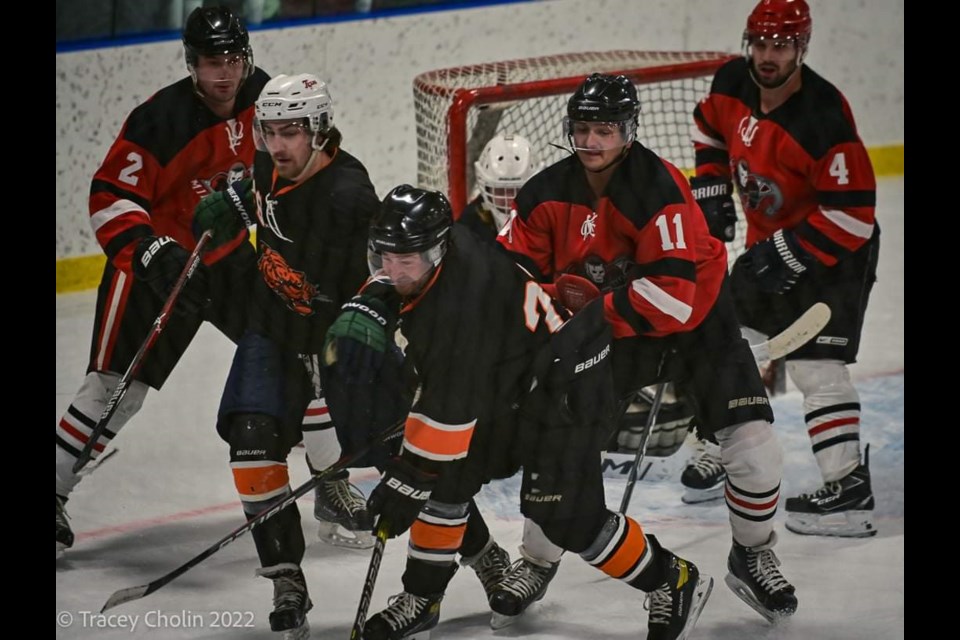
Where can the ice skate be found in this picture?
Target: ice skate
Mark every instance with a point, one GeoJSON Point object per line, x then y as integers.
{"type": "Point", "coordinates": [341, 510]}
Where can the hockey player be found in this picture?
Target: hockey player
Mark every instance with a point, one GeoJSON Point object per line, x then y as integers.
{"type": "Point", "coordinates": [503, 382]}
{"type": "Point", "coordinates": [186, 141]}
{"type": "Point", "coordinates": [786, 137]}
{"type": "Point", "coordinates": [505, 164]}
{"type": "Point", "coordinates": [615, 205]}
{"type": "Point", "coordinates": [313, 203]}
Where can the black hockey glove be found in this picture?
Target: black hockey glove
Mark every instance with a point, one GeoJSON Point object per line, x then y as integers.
{"type": "Point", "coordinates": [777, 263]}
{"type": "Point", "coordinates": [401, 494]}
{"type": "Point", "coordinates": [715, 197]}
{"type": "Point", "coordinates": [159, 261]}
{"type": "Point", "coordinates": [358, 338]}
{"type": "Point", "coordinates": [227, 213]}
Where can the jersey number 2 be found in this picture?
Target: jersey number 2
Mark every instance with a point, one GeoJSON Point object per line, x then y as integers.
{"type": "Point", "coordinates": [136, 163]}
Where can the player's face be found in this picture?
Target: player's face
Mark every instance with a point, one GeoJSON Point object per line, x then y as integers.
{"type": "Point", "coordinates": [219, 77]}
{"type": "Point", "coordinates": [407, 271]}
{"type": "Point", "coordinates": [289, 144]}
{"type": "Point", "coordinates": [773, 61]}
{"type": "Point", "coordinates": [598, 144]}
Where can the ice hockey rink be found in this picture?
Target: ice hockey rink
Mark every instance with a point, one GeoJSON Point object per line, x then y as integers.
{"type": "Point", "coordinates": [168, 495]}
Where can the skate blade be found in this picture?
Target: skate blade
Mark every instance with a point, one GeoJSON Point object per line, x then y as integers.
{"type": "Point", "coordinates": [743, 592]}
{"type": "Point", "coordinates": [700, 597]}
{"type": "Point", "coordinates": [338, 536]}
{"type": "Point", "coordinates": [845, 524]}
{"type": "Point", "coordinates": [300, 633]}
{"type": "Point", "coordinates": [695, 496]}
{"type": "Point", "coordinates": [500, 621]}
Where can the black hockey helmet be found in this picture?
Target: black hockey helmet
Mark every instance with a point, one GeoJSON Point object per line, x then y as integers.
{"type": "Point", "coordinates": [412, 220]}
{"type": "Point", "coordinates": [213, 31]}
{"type": "Point", "coordinates": [604, 98]}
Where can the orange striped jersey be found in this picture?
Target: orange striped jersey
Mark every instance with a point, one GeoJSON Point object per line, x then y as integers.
{"type": "Point", "coordinates": [471, 338]}
{"type": "Point", "coordinates": [644, 241]}
{"type": "Point", "coordinates": [171, 151]}
{"type": "Point", "coordinates": [801, 167]}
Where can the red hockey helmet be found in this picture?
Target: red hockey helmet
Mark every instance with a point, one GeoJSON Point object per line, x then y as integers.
{"type": "Point", "coordinates": [780, 19]}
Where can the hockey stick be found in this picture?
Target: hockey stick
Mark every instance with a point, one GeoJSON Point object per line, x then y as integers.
{"type": "Point", "coordinates": [114, 402]}
{"type": "Point", "coordinates": [795, 336]}
{"type": "Point", "coordinates": [367, 594]}
{"type": "Point", "coordinates": [135, 593]}
{"type": "Point", "coordinates": [651, 420]}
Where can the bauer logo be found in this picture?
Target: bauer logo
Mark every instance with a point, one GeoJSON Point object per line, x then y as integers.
{"type": "Point", "coordinates": [746, 402]}
{"type": "Point", "coordinates": [834, 340]}
{"type": "Point", "coordinates": [586, 364]}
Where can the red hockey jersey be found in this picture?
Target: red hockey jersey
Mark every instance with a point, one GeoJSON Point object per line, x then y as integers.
{"type": "Point", "coordinates": [801, 167]}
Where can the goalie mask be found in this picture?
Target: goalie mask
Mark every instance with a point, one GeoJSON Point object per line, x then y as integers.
{"type": "Point", "coordinates": [505, 164]}
{"type": "Point", "coordinates": [779, 21]}
{"type": "Point", "coordinates": [610, 100]}
{"type": "Point", "coordinates": [412, 226]}
{"type": "Point", "coordinates": [303, 99]}
{"type": "Point", "coordinates": [215, 31]}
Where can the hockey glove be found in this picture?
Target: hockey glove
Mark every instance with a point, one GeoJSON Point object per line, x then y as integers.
{"type": "Point", "coordinates": [358, 338]}
{"type": "Point", "coordinates": [574, 292]}
{"type": "Point", "coordinates": [777, 263]}
{"type": "Point", "coordinates": [227, 213]}
{"type": "Point", "coordinates": [401, 494]}
{"type": "Point", "coordinates": [715, 197]}
{"type": "Point", "coordinates": [159, 262]}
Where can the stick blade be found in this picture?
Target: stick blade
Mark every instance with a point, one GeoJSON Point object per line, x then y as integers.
{"type": "Point", "coordinates": [800, 332]}
{"type": "Point", "coordinates": [125, 595]}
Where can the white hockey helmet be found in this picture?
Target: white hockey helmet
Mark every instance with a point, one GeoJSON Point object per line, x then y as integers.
{"type": "Point", "coordinates": [505, 164]}
{"type": "Point", "coordinates": [299, 96]}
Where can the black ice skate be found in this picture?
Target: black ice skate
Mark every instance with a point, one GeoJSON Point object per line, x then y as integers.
{"type": "Point", "coordinates": [704, 478]}
{"type": "Point", "coordinates": [755, 577]}
{"type": "Point", "coordinates": [841, 508]}
{"type": "Point", "coordinates": [407, 617]}
{"type": "Point", "coordinates": [64, 532]}
{"type": "Point", "coordinates": [341, 510]}
{"type": "Point", "coordinates": [675, 607]}
{"type": "Point", "coordinates": [525, 583]}
{"type": "Point", "coordinates": [491, 565]}
{"type": "Point", "coordinates": [290, 600]}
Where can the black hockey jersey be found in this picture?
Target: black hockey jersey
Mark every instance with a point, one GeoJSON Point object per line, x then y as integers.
{"type": "Point", "coordinates": [311, 249]}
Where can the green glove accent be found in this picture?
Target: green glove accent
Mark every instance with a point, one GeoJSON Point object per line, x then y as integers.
{"type": "Point", "coordinates": [357, 339]}
{"type": "Point", "coordinates": [226, 213]}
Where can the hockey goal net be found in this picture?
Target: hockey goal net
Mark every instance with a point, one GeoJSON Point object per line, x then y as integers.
{"type": "Point", "coordinates": [458, 110]}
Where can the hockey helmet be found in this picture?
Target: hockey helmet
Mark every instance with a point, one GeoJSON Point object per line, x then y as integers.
{"type": "Point", "coordinates": [214, 31]}
{"type": "Point", "coordinates": [780, 20]}
{"type": "Point", "coordinates": [410, 220]}
{"type": "Point", "coordinates": [605, 98]}
{"type": "Point", "coordinates": [505, 164]}
{"type": "Point", "coordinates": [298, 96]}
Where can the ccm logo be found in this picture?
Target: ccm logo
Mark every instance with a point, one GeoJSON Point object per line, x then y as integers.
{"type": "Point", "coordinates": [586, 364]}
{"type": "Point", "coordinates": [406, 490]}
{"type": "Point", "coordinates": [153, 248]}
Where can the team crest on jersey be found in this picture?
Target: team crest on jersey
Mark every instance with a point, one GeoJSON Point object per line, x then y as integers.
{"type": "Point", "coordinates": [747, 129]}
{"type": "Point", "coordinates": [220, 181]}
{"type": "Point", "coordinates": [758, 193]}
{"type": "Point", "coordinates": [606, 275]}
{"type": "Point", "coordinates": [291, 285]}
{"type": "Point", "coordinates": [589, 227]}
{"type": "Point", "coordinates": [234, 133]}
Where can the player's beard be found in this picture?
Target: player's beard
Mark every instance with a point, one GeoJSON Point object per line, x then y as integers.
{"type": "Point", "coordinates": [777, 80]}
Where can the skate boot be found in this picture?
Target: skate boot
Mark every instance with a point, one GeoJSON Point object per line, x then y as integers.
{"type": "Point", "coordinates": [406, 617]}
{"type": "Point", "coordinates": [675, 607]}
{"type": "Point", "coordinates": [64, 533]}
{"type": "Point", "coordinates": [525, 583]}
{"type": "Point", "coordinates": [755, 577]}
{"type": "Point", "coordinates": [841, 508]}
{"type": "Point", "coordinates": [290, 600]}
{"type": "Point", "coordinates": [704, 477]}
{"type": "Point", "coordinates": [341, 510]}
{"type": "Point", "coordinates": [491, 565]}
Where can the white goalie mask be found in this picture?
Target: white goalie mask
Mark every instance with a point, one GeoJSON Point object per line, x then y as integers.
{"type": "Point", "coordinates": [505, 164]}
{"type": "Point", "coordinates": [291, 97]}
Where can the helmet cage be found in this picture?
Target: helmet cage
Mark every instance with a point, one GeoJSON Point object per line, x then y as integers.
{"type": "Point", "coordinates": [505, 165]}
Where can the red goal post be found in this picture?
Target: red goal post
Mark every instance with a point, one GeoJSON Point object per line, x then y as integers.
{"type": "Point", "coordinates": [459, 109]}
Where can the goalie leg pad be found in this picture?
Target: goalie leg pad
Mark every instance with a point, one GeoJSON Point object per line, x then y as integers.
{"type": "Point", "coordinates": [831, 407]}
{"type": "Point", "coordinates": [78, 422]}
{"type": "Point", "coordinates": [753, 459]}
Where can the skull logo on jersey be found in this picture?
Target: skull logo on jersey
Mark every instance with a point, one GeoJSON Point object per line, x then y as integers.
{"type": "Point", "coordinates": [606, 275]}
{"type": "Point", "coordinates": [758, 193]}
{"type": "Point", "coordinates": [219, 181]}
{"type": "Point", "coordinates": [291, 285]}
